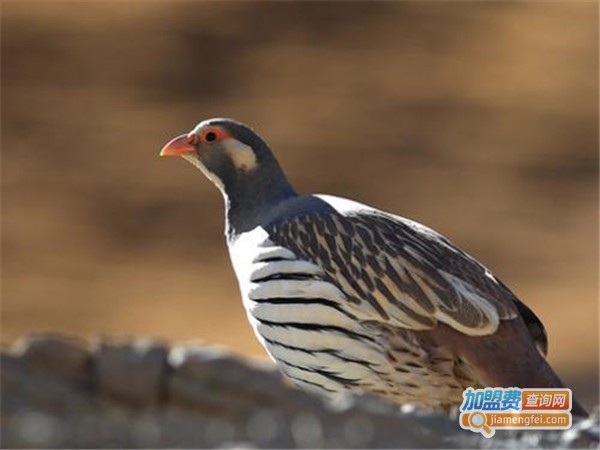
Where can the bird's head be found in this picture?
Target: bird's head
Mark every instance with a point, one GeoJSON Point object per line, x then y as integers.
{"type": "Point", "coordinates": [242, 166]}
{"type": "Point", "coordinates": [226, 151]}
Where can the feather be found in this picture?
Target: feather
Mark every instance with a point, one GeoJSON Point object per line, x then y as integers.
{"type": "Point", "coordinates": [410, 277]}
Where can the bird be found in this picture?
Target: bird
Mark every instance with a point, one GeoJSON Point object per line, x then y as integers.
{"type": "Point", "coordinates": [345, 297]}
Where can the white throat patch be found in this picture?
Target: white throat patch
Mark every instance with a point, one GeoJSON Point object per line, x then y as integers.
{"type": "Point", "coordinates": [193, 159]}
{"type": "Point", "coordinates": [242, 155]}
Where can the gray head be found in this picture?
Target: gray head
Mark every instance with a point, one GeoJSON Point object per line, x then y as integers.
{"type": "Point", "coordinates": [240, 164]}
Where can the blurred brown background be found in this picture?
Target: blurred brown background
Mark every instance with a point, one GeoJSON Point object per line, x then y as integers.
{"type": "Point", "coordinates": [477, 119]}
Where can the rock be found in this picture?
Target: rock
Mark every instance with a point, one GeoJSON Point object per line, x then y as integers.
{"type": "Point", "coordinates": [131, 371]}
{"type": "Point", "coordinates": [58, 392]}
{"type": "Point", "coordinates": [54, 353]}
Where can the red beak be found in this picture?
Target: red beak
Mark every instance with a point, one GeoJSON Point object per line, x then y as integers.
{"type": "Point", "coordinates": [178, 146]}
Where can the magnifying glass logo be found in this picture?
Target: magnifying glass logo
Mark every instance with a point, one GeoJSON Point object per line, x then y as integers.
{"type": "Point", "coordinates": [478, 420]}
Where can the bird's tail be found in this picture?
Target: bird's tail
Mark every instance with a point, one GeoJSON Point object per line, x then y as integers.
{"type": "Point", "coordinates": [543, 376]}
{"type": "Point", "coordinates": [504, 361]}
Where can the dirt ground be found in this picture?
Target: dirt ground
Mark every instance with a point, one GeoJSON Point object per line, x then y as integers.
{"type": "Point", "coordinates": [477, 119]}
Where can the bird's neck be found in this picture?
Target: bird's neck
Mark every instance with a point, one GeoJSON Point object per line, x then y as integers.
{"type": "Point", "coordinates": [249, 203]}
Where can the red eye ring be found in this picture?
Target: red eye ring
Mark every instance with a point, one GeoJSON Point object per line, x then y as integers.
{"type": "Point", "coordinates": [213, 135]}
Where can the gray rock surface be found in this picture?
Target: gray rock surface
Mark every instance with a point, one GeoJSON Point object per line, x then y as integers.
{"type": "Point", "coordinates": [61, 392]}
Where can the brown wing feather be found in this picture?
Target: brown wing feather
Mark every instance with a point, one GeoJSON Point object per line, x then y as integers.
{"type": "Point", "coordinates": [399, 272]}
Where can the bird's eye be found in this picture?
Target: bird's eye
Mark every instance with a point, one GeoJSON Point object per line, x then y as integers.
{"type": "Point", "coordinates": [213, 134]}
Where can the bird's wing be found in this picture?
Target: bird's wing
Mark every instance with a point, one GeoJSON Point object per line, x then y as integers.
{"type": "Point", "coordinates": [396, 271]}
